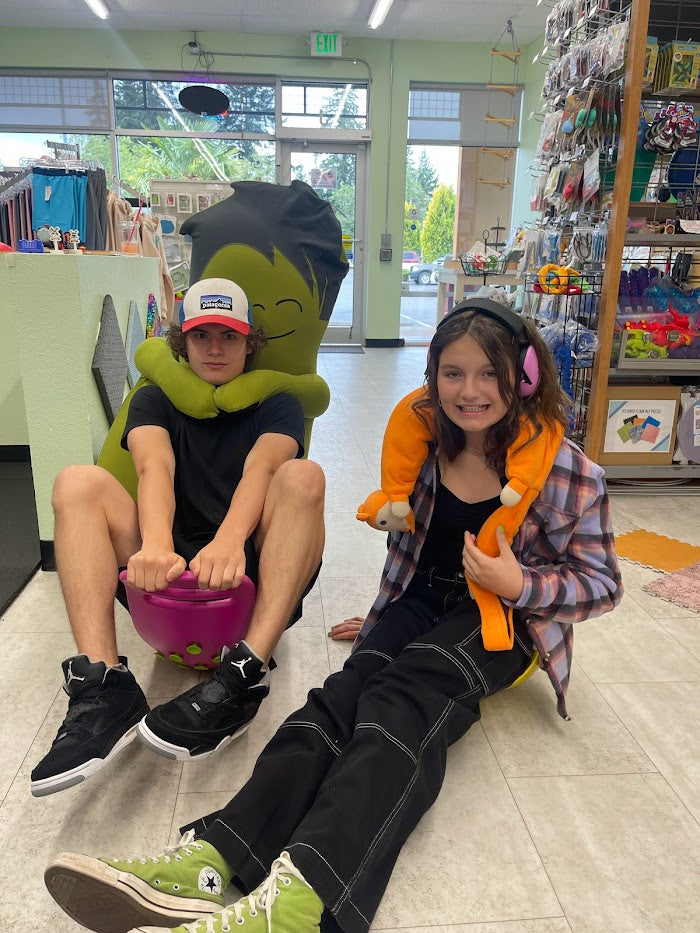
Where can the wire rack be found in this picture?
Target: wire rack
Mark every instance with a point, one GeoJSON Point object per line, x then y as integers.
{"type": "Point", "coordinates": [568, 323]}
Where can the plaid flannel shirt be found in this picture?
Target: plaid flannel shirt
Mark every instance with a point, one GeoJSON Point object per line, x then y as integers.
{"type": "Point", "coordinates": [565, 547]}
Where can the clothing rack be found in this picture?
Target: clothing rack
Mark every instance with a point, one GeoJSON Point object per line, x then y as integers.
{"type": "Point", "coordinates": [115, 182]}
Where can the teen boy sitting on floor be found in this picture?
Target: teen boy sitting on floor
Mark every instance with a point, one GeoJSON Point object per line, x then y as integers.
{"type": "Point", "coordinates": [220, 494]}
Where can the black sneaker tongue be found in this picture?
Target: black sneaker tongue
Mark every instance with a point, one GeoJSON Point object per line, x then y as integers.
{"type": "Point", "coordinates": [214, 692]}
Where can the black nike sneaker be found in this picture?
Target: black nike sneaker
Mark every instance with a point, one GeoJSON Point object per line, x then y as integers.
{"type": "Point", "coordinates": [207, 717]}
{"type": "Point", "coordinates": [104, 707]}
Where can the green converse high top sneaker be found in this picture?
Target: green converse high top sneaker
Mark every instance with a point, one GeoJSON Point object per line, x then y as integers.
{"type": "Point", "coordinates": [111, 895]}
{"type": "Point", "coordinates": [284, 903]}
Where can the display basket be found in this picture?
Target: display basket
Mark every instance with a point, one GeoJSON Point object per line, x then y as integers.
{"type": "Point", "coordinates": [491, 265]}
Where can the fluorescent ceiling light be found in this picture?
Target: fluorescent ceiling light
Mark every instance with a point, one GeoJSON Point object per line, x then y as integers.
{"type": "Point", "coordinates": [378, 14]}
{"type": "Point", "coordinates": [99, 8]}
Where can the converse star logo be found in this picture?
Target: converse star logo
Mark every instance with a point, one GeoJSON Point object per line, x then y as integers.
{"type": "Point", "coordinates": [210, 880]}
{"type": "Point", "coordinates": [240, 665]}
{"type": "Point", "coordinates": [71, 676]}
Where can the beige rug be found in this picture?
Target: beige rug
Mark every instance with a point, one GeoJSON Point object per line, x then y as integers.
{"type": "Point", "coordinates": [681, 587]}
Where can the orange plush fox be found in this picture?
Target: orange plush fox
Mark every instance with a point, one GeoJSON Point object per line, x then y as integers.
{"type": "Point", "coordinates": [404, 450]}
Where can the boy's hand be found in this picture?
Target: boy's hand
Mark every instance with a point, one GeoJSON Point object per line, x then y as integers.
{"type": "Point", "coordinates": [154, 568]}
{"type": "Point", "coordinates": [501, 575]}
{"type": "Point", "coordinates": [219, 566]}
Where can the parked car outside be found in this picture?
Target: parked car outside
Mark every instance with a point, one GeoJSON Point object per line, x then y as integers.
{"type": "Point", "coordinates": [426, 273]}
{"type": "Point", "coordinates": [410, 256]}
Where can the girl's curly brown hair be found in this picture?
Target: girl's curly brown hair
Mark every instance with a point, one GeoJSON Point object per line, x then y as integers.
{"type": "Point", "coordinates": [549, 404]}
{"type": "Point", "coordinates": [256, 340]}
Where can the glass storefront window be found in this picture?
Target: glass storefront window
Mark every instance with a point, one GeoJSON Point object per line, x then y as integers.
{"type": "Point", "coordinates": [324, 106]}
{"type": "Point", "coordinates": [142, 158]}
{"type": "Point", "coordinates": [15, 147]}
{"type": "Point", "coordinates": [154, 105]}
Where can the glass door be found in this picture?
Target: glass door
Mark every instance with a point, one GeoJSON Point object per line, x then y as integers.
{"type": "Point", "coordinates": [337, 174]}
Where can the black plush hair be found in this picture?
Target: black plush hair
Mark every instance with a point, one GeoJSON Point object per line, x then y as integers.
{"type": "Point", "coordinates": [292, 219]}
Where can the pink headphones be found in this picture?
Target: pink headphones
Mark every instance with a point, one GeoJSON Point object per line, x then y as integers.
{"type": "Point", "coordinates": [527, 367]}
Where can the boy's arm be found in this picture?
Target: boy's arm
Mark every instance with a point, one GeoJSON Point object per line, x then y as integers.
{"type": "Point", "coordinates": [156, 564]}
{"type": "Point", "coordinates": [221, 563]}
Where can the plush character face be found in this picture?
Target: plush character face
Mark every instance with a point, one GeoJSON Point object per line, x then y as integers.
{"type": "Point", "coordinates": [281, 303]}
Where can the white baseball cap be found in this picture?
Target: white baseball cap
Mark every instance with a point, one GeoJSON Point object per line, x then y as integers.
{"type": "Point", "coordinates": [216, 301]}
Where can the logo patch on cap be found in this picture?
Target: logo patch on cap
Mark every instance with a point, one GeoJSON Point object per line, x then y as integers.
{"type": "Point", "coordinates": [216, 303]}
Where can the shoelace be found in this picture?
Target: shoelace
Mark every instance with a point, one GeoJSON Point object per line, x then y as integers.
{"type": "Point", "coordinates": [87, 702]}
{"type": "Point", "coordinates": [263, 899]}
{"type": "Point", "coordinates": [187, 843]}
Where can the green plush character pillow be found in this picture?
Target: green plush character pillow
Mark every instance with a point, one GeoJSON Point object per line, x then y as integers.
{"type": "Point", "coordinates": [283, 245]}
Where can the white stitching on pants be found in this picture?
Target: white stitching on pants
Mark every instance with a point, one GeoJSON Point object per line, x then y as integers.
{"type": "Point", "coordinates": [297, 723]}
{"type": "Point", "coordinates": [469, 679]}
{"type": "Point", "coordinates": [379, 654]}
{"type": "Point", "coordinates": [334, 872]}
{"type": "Point", "coordinates": [243, 842]}
{"type": "Point", "coordinates": [397, 805]}
{"type": "Point", "coordinates": [388, 735]}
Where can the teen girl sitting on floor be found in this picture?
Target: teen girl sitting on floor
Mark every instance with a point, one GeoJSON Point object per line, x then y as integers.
{"type": "Point", "coordinates": [345, 780]}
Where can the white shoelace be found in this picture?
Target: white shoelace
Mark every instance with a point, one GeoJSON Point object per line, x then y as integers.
{"type": "Point", "coordinates": [187, 844]}
{"type": "Point", "coordinates": [262, 899]}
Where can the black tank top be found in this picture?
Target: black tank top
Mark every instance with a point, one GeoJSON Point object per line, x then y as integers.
{"type": "Point", "coordinates": [444, 542]}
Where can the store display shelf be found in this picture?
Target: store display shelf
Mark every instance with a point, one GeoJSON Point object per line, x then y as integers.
{"type": "Point", "coordinates": [661, 209]}
{"type": "Point", "coordinates": [655, 471]}
{"type": "Point", "coordinates": [670, 240]}
{"type": "Point", "coordinates": [656, 367]}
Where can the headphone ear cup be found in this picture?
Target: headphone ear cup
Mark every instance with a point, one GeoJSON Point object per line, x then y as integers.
{"type": "Point", "coordinates": [530, 373]}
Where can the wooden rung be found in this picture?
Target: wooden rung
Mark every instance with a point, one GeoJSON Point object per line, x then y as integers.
{"type": "Point", "coordinates": [507, 88]}
{"type": "Point", "coordinates": [503, 183]}
{"type": "Point", "coordinates": [512, 56]}
{"type": "Point", "coordinates": [501, 153]}
{"type": "Point", "coordinates": [504, 121]}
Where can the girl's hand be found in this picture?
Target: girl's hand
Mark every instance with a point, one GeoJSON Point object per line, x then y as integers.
{"type": "Point", "coordinates": [347, 630]}
{"type": "Point", "coordinates": [501, 575]}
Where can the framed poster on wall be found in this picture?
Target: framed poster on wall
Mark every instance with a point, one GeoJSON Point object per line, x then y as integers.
{"type": "Point", "coordinates": [641, 424]}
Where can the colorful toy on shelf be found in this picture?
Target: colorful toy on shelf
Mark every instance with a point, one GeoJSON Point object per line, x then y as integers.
{"type": "Point", "coordinates": [553, 279]}
{"type": "Point", "coordinates": [672, 333]}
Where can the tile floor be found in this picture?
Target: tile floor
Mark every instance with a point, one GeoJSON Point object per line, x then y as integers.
{"type": "Point", "coordinates": [543, 826]}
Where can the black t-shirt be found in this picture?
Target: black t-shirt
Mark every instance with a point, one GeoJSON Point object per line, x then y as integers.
{"type": "Point", "coordinates": [452, 516]}
{"type": "Point", "coordinates": [210, 452]}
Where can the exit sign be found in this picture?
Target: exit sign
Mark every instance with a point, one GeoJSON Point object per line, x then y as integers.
{"type": "Point", "coordinates": [326, 44]}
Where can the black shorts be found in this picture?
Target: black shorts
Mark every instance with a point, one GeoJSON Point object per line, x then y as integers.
{"type": "Point", "coordinates": [189, 548]}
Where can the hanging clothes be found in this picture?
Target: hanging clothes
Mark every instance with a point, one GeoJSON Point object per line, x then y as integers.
{"type": "Point", "coordinates": [152, 245]}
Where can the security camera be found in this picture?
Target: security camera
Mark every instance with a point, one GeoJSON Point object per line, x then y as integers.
{"type": "Point", "coordinates": [193, 47]}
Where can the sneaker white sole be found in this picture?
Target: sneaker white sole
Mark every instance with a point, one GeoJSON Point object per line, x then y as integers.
{"type": "Point", "coordinates": [51, 785]}
{"type": "Point", "coordinates": [179, 752]}
{"type": "Point", "coordinates": [106, 900]}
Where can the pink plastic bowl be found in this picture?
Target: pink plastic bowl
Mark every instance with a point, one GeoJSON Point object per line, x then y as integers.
{"type": "Point", "coordinates": [187, 625]}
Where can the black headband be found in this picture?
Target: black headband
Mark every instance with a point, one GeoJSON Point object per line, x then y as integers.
{"type": "Point", "coordinates": [497, 312]}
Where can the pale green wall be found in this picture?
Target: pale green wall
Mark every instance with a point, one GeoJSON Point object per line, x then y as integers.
{"type": "Point", "coordinates": [13, 421]}
{"type": "Point", "coordinates": [532, 76]}
{"type": "Point", "coordinates": [56, 303]}
{"type": "Point", "coordinates": [288, 56]}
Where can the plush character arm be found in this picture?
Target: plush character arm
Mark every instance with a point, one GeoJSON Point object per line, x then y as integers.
{"type": "Point", "coordinates": [404, 450]}
{"type": "Point", "coordinates": [197, 398]}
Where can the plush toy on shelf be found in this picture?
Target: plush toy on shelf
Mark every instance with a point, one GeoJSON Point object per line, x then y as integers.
{"type": "Point", "coordinates": [405, 448]}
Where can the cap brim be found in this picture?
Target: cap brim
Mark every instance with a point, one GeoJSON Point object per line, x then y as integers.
{"type": "Point", "coordinates": [243, 327]}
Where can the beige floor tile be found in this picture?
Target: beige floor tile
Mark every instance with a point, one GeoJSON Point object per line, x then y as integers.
{"type": "Point", "coordinates": [127, 809]}
{"type": "Point", "coordinates": [31, 677]}
{"type": "Point", "coordinates": [686, 631]}
{"type": "Point", "coordinates": [619, 850]}
{"type": "Point", "coordinates": [302, 664]}
{"type": "Point", "coordinates": [529, 738]}
{"type": "Point", "coordinates": [352, 548]}
{"type": "Point", "coordinates": [663, 719]}
{"type": "Point", "coordinates": [549, 925]}
{"type": "Point", "coordinates": [470, 859]}
{"type": "Point", "coordinates": [38, 608]}
{"type": "Point", "coordinates": [628, 646]}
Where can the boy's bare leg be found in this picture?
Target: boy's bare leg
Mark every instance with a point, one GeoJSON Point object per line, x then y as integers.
{"type": "Point", "coordinates": [96, 531]}
{"type": "Point", "coordinates": [290, 540]}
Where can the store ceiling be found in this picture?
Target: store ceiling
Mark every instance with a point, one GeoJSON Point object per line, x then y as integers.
{"type": "Point", "coordinates": [445, 20]}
